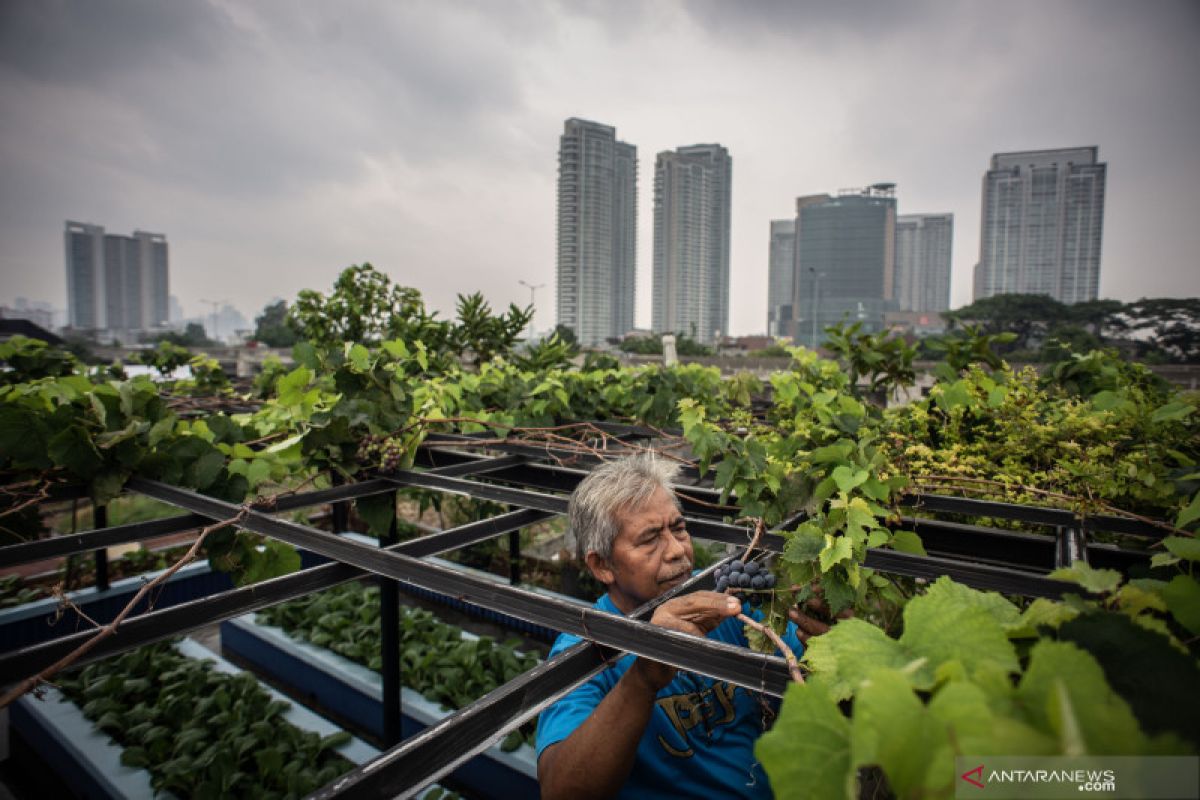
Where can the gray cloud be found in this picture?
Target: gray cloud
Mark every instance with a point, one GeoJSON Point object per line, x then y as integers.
{"type": "Point", "coordinates": [277, 142]}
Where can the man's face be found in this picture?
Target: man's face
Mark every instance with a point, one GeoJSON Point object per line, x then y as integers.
{"type": "Point", "coordinates": [651, 554]}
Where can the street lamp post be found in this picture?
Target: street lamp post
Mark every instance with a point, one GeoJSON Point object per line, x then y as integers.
{"type": "Point", "coordinates": [532, 289]}
{"type": "Point", "coordinates": [816, 284]}
{"type": "Point", "coordinates": [215, 304]}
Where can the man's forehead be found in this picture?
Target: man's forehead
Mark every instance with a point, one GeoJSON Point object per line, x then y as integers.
{"type": "Point", "coordinates": [658, 507]}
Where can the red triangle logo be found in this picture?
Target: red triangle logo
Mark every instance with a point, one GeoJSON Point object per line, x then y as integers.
{"type": "Point", "coordinates": [978, 773]}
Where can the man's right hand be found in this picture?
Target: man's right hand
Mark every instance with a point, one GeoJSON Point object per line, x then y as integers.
{"type": "Point", "coordinates": [696, 613]}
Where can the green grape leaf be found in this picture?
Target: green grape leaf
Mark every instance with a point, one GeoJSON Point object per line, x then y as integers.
{"type": "Point", "coordinates": [908, 542]}
{"type": "Point", "coordinates": [891, 728]}
{"type": "Point", "coordinates": [842, 658]}
{"type": "Point", "coordinates": [107, 484]}
{"type": "Point", "coordinates": [836, 550]}
{"type": "Point", "coordinates": [1185, 547]}
{"type": "Point", "coordinates": [839, 593]}
{"type": "Point", "coordinates": [1172, 412]}
{"type": "Point", "coordinates": [1129, 654]}
{"type": "Point", "coordinates": [807, 752]}
{"type": "Point", "coordinates": [1101, 581]}
{"type": "Point", "coordinates": [277, 558]}
{"type": "Point", "coordinates": [953, 622]}
{"type": "Point", "coordinates": [1040, 613]}
{"type": "Point", "coordinates": [1189, 514]}
{"type": "Point", "coordinates": [1182, 596]}
{"type": "Point", "coordinates": [1064, 692]}
{"type": "Point", "coordinates": [848, 478]}
{"type": "Point", "coordinates": [378, 511]}
{"type": "Point", "coordinates": [23, 436]}
{"type": "Point", "coordinates": [73, 448]}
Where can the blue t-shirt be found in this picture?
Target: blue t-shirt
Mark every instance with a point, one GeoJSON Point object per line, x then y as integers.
{"type": "Point", "coordinates": [700, 739]}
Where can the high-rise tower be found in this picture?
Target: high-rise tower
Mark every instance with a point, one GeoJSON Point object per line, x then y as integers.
{"type": "Point", "coordinates": [781, 278]}
{"type": "Point", "coordinates": [1043, 216]}
{"type": "Point", "coordinates": [115, 283]}
{"type": "Point", "coordinates": [597, 231]}
{"type": "Point", "coordinates": [692, 202]}
{"type": "Point", "coordinates": [845, 259]}
{"type": "Point", "coordinates": [923, 246]}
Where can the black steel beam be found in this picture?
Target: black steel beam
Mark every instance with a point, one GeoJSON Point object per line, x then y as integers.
{"type": "Point", "coordinates": [1035, 515]}
{"type": "Point", "coordinates": [719, 660]}
{"type": "Point", "coordinates": [1013, 549]}
{"type": "Point", "coordinates": [480, 467]}
{"type": "Point", "coordinates": [59, 546]}
{"type": "Point", "coordinates": [164, 623]}
{"type": "Point", "coordinates": [40, 549]}
{"type": "Point", "coordinates": [979, 576]}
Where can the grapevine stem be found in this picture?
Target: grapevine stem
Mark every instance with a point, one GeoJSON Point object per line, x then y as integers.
{"type": "Point", "coordinates": [788, 655]}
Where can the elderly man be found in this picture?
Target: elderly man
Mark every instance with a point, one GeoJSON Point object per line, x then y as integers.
{"type": "Point", "coordinates": [640, 729]}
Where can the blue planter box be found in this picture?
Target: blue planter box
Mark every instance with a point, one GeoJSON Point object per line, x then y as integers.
{"type": "Point", "coordinates": [34, 622]}
{"type": "Point", "coordinates": [89, 761]}
{"type": "Point", "coordinates": [355, 692]}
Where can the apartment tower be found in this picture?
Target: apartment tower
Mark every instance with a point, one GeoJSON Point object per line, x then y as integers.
{"type": "Point", "coordinates": [597, 232]}
{"type": "Point", "coordinates": [923, 246]}
{"type": "Point", "coordinates": [1043, 218]}
{"type": "Point", "coordinates": [692, 202]}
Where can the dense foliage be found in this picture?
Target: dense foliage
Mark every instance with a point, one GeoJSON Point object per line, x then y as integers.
{"type": "Point", "coordinates": [1092, 433]}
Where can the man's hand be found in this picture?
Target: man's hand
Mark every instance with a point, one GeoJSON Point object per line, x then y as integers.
{"type": "Point", "coordinates": [697, 614]}
{"type": "Point", "coordinates": [810, 619]}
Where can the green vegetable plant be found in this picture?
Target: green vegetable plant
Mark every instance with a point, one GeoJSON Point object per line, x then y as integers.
{"type": "Point", "coordinates": [436, 659]}
{"type": "Point", "coordinates": [200, 732]}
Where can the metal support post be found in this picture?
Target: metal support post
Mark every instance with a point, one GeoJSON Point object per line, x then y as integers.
{"type": "Point", "coordinates": [100, 520]}
{"type": "Point", "coordinates": [389, 641]}
{"type": "Point", "coordinates": [514, 557]}
{"type": "Point", "coordinates": [341, 509]}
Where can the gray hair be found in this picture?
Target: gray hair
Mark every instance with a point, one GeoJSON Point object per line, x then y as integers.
{"type": "Point", "coordinates": [609, 489]}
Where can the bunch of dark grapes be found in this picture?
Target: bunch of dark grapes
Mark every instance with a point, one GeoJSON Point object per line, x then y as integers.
{"type": "Point", "coordinates": [749, 575]}
{"type": "Point", "coordinates": [385, 452]}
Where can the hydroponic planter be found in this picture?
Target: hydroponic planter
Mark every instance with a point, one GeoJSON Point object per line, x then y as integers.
{"type": "Point", "coordinates": [35, 622]}
{"type": "Point", "coordinates": [355, 692]}
{"type": "Point", "coordinates": [309, 559]}
{"type": "Point", "coordinates": [89, 761]}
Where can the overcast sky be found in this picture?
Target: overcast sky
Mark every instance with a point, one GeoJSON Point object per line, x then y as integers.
{"type": "Point", "coordinates": [275, 143]}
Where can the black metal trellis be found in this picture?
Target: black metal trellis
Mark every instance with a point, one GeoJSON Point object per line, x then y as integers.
{"type": "Point", "coordinates": [987, 558]}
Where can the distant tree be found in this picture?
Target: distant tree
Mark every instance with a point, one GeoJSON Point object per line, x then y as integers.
{"type": "Point", "coordinates": [271, 326]}
{"type": "Point", "coordinates": [191, 336]}
{"type": "Point", "coordinates": [364, 307]}
{"type": "Point", "coordinates": [1029, 316]}
{"type": "Point", "coordinates": [642, 345]}
{"type": "Point", "coordinates": [484, 333]}
{"type": "Point", "coordinates": [1173, 325]}
{"type": "Point", "coordinates": [652, 345]}
{"type": "Point", "coordinates": [566, 335]}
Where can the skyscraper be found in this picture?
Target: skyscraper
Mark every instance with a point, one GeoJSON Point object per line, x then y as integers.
{"type": "Point", "coordinates": [86, 306]}
{"type": "Point", "coordinates": [845, 259]}
{"type": "Point", "coordinates": [1043, 216]}
{"type": "Point", "coordinates": [692, 202]}
{"type": "Point", "coordinates": [923, 244]}
{"type": "Point", "coordinates": [115, 283]}
{"type": "Point", "coordinates": [781, 278]}
{"type": "Point", "coordinates": [597, 231]}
